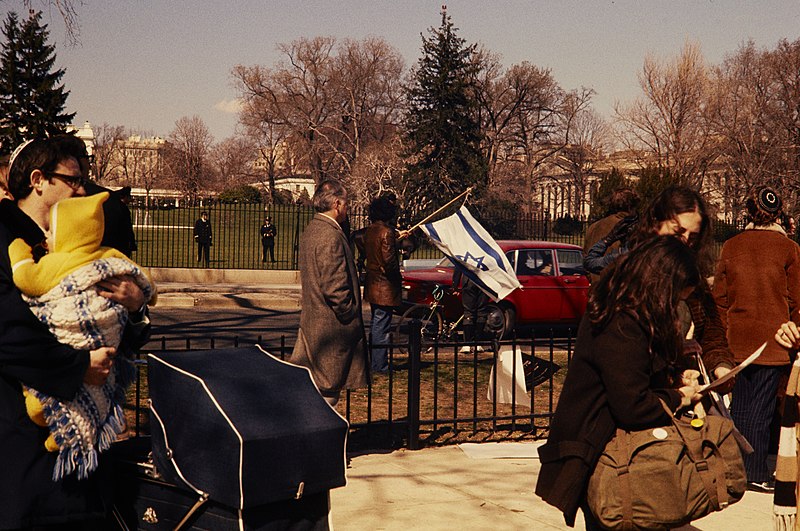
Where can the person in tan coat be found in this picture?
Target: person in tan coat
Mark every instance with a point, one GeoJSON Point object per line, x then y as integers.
{"type": "Point", "coordinates": [756, 288]}
{"type": "Point", "coordinates": [330, 341]}
{"type": "Point", "coordinates": [383, 280]}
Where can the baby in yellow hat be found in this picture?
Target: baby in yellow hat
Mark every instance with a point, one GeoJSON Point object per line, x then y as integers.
{"type": "Point", "coordinates": [60, 290]}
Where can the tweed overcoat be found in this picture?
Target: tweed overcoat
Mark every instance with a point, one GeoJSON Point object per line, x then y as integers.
{"type": "Point", "coordinates": [331, 340]}
{"type": "Point", "coordinates": [384, 281]}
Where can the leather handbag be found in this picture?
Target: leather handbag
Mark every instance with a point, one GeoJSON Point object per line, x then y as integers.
{"type": "Point", "coordinates": [666, 477]}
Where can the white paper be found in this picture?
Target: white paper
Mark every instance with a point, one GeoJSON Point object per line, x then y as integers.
{"type": "Point", "coordinates": [506, 362]}
{"type": "Point", "coordinates": [736, 370]}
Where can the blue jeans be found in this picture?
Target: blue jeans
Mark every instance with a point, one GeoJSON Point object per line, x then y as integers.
{"type": "Point", "coordinates": [381, 321]}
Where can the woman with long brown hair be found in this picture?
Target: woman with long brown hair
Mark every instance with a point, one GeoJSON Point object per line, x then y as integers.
{"type": "Point", "coordinates": [625, 364]}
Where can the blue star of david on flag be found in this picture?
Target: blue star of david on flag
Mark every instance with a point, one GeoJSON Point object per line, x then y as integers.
{"type": "Point", "coordinates": [467, 257]}
{"type": "Point", "coordinates": [473, 251]}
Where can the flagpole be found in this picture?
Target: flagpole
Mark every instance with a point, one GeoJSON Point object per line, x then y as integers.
{"type": "Point", "coordinates": [404, 233]}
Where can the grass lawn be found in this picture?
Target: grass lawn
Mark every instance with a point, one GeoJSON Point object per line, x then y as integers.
{"type": "Point", "coordinates": [453, 400]}
{"type": "Point", "coordinates": [165, 237]}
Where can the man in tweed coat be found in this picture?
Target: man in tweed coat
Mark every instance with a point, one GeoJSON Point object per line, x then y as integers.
{"type": "Point", "coordinates": [331, 341]}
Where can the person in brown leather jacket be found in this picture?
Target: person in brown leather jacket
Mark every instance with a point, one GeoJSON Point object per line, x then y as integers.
{"type": "Point", "coordinates": [383, 279]}
{"type": "Point", "coordinates": [623, 202]}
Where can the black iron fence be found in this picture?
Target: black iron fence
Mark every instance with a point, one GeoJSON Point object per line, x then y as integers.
{"type": "Point", "coordinates": [434, 393]}
{"type": "Point", "coordinates": [165, 235]}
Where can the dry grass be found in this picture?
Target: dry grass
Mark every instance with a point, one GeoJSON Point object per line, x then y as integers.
{"type": "Point", "coordinates": [453, 393]}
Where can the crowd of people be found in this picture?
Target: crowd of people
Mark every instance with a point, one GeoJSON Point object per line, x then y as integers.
{"type": "Point", "coordinates": [663, 314]}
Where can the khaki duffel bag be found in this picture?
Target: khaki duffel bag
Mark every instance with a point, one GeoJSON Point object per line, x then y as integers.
{"type": "Point", "coordinates": [665, 477]}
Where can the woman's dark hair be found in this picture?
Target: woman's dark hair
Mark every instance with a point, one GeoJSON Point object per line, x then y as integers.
{"type": "Point", "coordinates": [648, 283]}
{"type": "Point", "coordinates": [382, 209]}
{"type": "Point", "coordinates": [39, 154]}
{"type": "Point", "coordinates": [666, 206]}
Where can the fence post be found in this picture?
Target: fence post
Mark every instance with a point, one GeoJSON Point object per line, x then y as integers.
{"type": "Point", "coordinates": [296, 242]}
{"type": "Point", "coordinates": [414, 367]}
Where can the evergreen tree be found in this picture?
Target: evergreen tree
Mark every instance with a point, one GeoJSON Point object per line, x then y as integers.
{"type": "Point", "coordinates": [31, 99]}
{"type": "Point", "coordinates": [443, 133]}
{"type": "Point", "coordinates": [609, 182]}
{"type": "Point", "coordinates": [653, 181]}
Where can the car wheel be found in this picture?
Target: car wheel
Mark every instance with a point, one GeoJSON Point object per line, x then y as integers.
{"type": "Point", "coordinates": [501, 320]}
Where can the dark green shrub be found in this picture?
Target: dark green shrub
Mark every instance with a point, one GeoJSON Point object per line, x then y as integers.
{"type": "Point", "coordinates": [568, 226]}
{"type": "Point", "coordinates": [240, 194]}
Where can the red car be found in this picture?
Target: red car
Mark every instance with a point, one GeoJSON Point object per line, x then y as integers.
{"type": "Point", "coordinates": [554, 285]}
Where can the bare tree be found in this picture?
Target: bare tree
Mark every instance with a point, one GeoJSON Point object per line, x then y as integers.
{"type": "Point", "coordinates": [107, 140]}
{"type": "Point", "coordinates": [369, 84]}
{"type": "Point", "coordinates": [262, 122]}
{"type": "Point", "coordinates": [585, 136]}
{"type": "Point", "coordinates": [138, 161]}
{"type": "Point", "coordinates": [783, 67]}
{"type": "Point", "coordinates": [531, 141]}
{"type": "Point", "coordinates": [739, 118]}
{"type": "Point", "coordinates": [325, 101]}
{"type": "Point", "coordinates": [379, 168]}
{"type": "Point", "coordinates": [67, 10]}
{"type": "Point", "coordinates": [232, 159]}
{"type": "Point", "coordinates": [187, 154]}
{"type": "Point", "coordinates": [668, 121]}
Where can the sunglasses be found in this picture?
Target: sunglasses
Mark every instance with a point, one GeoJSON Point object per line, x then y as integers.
{"type": "Point", "coordinates": [73, 180]}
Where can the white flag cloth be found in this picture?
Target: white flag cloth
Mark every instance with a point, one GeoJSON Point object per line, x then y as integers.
{"type": "Point", "coordinates": [474, 252]}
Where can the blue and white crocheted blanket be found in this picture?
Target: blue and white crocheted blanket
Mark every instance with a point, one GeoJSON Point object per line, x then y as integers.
{"type": "Point", "coordinates": [79, 317]}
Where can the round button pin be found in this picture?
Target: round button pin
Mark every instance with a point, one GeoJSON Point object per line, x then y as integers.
{"type": "Point", "coordinates": [660, 433]}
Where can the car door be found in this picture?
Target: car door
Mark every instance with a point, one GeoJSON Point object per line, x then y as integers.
{"type": "Point", "coordinates": [539, 299]}
{"type": "Point", "coordinates": [573, 282]}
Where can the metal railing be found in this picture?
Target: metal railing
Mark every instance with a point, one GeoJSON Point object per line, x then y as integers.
{"type": "Point", "coordinates": [434, 393]}
{"type": "Point", "coordinates": [165, 236]}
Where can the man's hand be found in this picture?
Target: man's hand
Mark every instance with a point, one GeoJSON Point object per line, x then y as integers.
{"type": "Point", "coordinates": [788, 335]}
{"type": "Point", "coordinates": [124, 290]}
{"type": "Point", "coordinates": [100, 362]}
{"type": "Point", "coordinates": [622, 229]}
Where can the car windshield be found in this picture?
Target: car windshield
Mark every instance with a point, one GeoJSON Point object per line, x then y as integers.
{"type": "Point", "coordinates": [444, 262]}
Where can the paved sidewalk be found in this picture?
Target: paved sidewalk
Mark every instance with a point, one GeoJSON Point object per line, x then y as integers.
{"type": "Point", "coordinates": [436, 488]}
{"type": "Point", "coordinates": [189, 295]}
{"type": "Point", "coordinates": [444, 489]}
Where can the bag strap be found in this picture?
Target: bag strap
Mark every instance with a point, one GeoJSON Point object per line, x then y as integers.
{"type": "Point", "coordinates": [711, 469]}
{"type": "Point", "coordinates": [623, 443]}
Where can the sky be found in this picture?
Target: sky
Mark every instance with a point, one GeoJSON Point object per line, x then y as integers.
{"type": "Point", "coordinates": [144, 64]}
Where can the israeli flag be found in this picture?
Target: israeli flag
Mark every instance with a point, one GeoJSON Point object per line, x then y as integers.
{"type": "Point", "coordinates": [474, 252]}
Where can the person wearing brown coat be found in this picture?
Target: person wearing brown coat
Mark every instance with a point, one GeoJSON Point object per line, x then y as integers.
{"type": "Point", "coordinates": [757, 287]}
{"type": "Point", "coordinates": [330, 341]}
{"type": "Point", "coordinates": [383, 280]}
{"type": "Point", "coordinates": [622, 203]}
